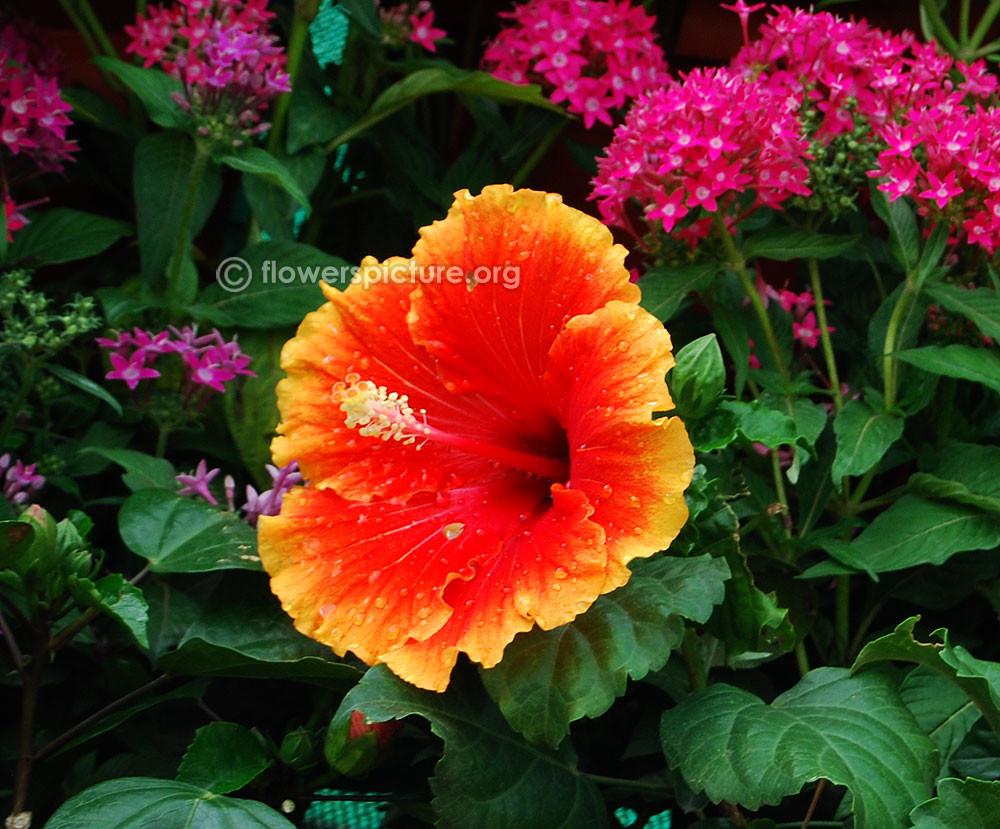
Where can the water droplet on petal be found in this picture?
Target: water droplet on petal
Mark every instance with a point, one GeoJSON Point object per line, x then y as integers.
{"type": "Point", "coordinates": [452, 531]}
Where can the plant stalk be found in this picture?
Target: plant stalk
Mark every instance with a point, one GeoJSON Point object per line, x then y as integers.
{"type": "Point", "coordinates": [890, 362]}
{"type": "Point", "coordinates": [824, 333]}
{"type": "Point", "coordinates": [184, 239]}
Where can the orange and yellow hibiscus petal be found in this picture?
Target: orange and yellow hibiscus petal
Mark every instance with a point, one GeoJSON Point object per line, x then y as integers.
{"type": "Point", "coordinates": [362, 332]}
{"type": "Point", "coordinates": [606, 375]}
{"type": "Point", "coordinates": [533, 263]}
{"type": "Point", "coordinates": [545, 574]}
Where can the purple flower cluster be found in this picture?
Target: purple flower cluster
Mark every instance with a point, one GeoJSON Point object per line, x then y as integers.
{"type": "Point", "coordinates": [209, 360]}
{"type": "Point", "coordinates": [257, 504]}
{"type": "Point", "coordinates": [19, 482]}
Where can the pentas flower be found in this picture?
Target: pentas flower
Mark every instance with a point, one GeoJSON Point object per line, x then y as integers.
{"type": "Point", "coordinates": [209, 360]}
{"type": "Point", "coordinates": [946, 157]}
{"type": "Point", "coordinates": [595, 55]}
{"type": "Point", "coordinates": [402, 24]}
{"type": "Point", "coordinates": [222, 52]}
{"type": "Point", "coordinates": [479, 460]}
{"type": "Point", "coordinates": [18, 482]}
{"type": "Point", "coordinates": [197, 482]}
{"type": "Point", "coordinates": [34, 120]}
{"type": "Point", "coordinates": [695, 147]}
{"type": "Point", "coordinates": [267, 502]}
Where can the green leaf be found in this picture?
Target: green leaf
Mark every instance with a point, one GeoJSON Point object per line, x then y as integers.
{"type": "Point", "coordinates": [313, 118]}
{"type": "Point", "coordinates": [488, 777]}
{"type": "Point", "coordinates": [863, 438]}
{"type": "Point", "coordinates": [252, 407]}
{"type": "Point", "coordinates": [665, 288]}
{"type": "Point", "coordinates": [64, 235]}
{"type": "Point", "coordinates": [142, 471]}
{"type": "Point", "coordinates": [76, 379]}
{"type": "Point", "coordinates": [930, 486]}
{"type": "Point", "coordinates": [223, 757]}
{"type": "Point", "coordinates": [241, 631]}
{"type": "Point", "coordinates": [941, 709]}
{"type": "Point", "coordinates": [292, 271]}
{"type": "Point", "coordinates": [548, 679]}
{"type": "Point", "coordinates": [960, 804]}
{"type": "Point", "coordinates": [154, 87]}
{"type": "Point", "coordinates": [126, 603]}
{"type": "Point", "coordinates": [974, 465]}
{"type": "Point", "coordinates": [916, 531]}
{"type": "Point", "coordinates": [259, 162]}
{"type": "Point", "coordinates": [933, 250]}
{"type": "Point", "coordinates": [364, 14]}
{"type": "Point", "coordinates": [163, 165]}
{"type": "Point", "coordinates": [981, 305]}
{"type": "Point", "coordinates": [978, 679]}
{"type": "Point", "coordinates": [147, 802]}
{"type": "Point", "coordinates": [788, 243]}
{"type": "Point", "coordinates": [273, 207]}
{"type": "Point", "coordinates": [699, 377]}
{"type": "Point", "coordinates": [904, 237]}
{"type": "Point", "coordinates": [854, 731]}
{"type": "Point", "coordinates": [16, 538]}
{"type": "Point", "coordinates": [179, 535]}
{"type": "Point", "coordinates": [962, 361]}
{"type": "Point", "coordinates": [759, 423]}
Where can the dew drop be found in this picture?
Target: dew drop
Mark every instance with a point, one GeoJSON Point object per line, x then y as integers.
{"type": "Point", "coordinates": [380, 602]}
{"type": "Point", "coordinates": [375, 575]}
{"type": "Point", "coordinates": [452, 531]}
{"type": "Point", "coordinates": [607, 490]}
{"type": "Point", "coordinates": [424, 612]}
{"type": "Point", "coordinates": [560, 573]}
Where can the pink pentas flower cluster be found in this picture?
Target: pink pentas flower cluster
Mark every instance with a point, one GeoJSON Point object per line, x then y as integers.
{"type": "Point", "coordinates": [257, 504]}
{"type": "Point", "coordinates": [595, 55]}
{"type": "Point", "coordinates": [209, 361]}
{"type": "Point", "coordinates": [34, 121]}
{"type": "Point", "coordinates": [18, 482]}
{"type": "Point", "coordinates": [806, 330]}
{"type": "Point", "coordinates": [230, 65]}
{"type": "Point", "coordinates": [693, 148]}
{"type": "Point", "coordinates": [946, 157]}
{"type": "Point", "coordinates": [402, 24]}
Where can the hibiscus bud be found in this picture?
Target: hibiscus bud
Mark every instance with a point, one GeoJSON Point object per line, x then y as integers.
{"type": "Point", "coordinates": [352, 749]}
{"type": "Point", "coordinates": [298, 749]}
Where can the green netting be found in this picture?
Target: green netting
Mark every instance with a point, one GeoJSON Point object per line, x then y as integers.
{"type": "Point", "coordinates": [628, 817]}
{"type": "Point", "coordinates": [344, 814]}
{"type": "Point", "coordinates": [329, 33]}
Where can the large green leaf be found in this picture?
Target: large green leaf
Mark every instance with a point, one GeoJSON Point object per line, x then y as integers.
{"type": "Point", "coordinates": [916, 531]}
{"type": "Point", "coordinates": [121, 601]}
{"type": "Point", "coordinates": [283, 285]}
{"type": "Point", "coordinates": [313, 117]}
{"type": "Point", "coordinates": [63, 235]}
{"type": "Point", "coordinates": [863, 437]}
{"type": "Point", "coordinates": [547, 679]}
{"type": "Point", "coordinates": [941, 709]}
{"type": "Point", "coordinates": [961, 361]}
{"type": "Point", "coordinates": [854, 731]}
{"type": "Point", "coordinates": [163, 164]}
{"type": "Point", "coordinates": [981, 305]}
{"type": "Point", "coordinates": [241, 631]}
{"type": "Point", "coordinates": [904, 237]}
{"type": "Point", "coordinates": [223, 757]}
{"type": "Point", "coordinates": [788, 243]}
{"type": "Point", "coordinates": [960, 804]}
{"type": "Point", "coordinates": [154, 87]}
{"type": "Point", "coordinates": [978, 679]}
{"type": "Point", "coordinates": [488, 777]}
{"type": "Point", "coordinates": [180, 535]}
{"type": "Point", "coordinates": [152, 803]}
{"type": "Point", "coordinates": [931, 486]}
{"type": "Point", "coordinates": [665, 288]}
{"type": "Point", "coordinates": [272, 205]}
{"type": "Point", "coordinates": [74, 378]}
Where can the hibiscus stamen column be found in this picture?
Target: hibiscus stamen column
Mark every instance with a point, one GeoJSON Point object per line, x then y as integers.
{"type": "Point", "coordinates": [377, 412]}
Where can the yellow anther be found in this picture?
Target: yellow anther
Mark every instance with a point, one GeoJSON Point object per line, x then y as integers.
{"type": "Point", "coordinates": [377, 412]}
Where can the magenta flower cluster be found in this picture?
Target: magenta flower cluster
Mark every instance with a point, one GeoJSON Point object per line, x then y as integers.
{"type": "Point", "coordinates": [222, 52]}
{"type": "Point", "coordinates": [34, 121]}
{"type": "Point", "coordinates": [701, 143]}
{"type": "Point", "coordinates": [209, 360]}
{"type": "Point", "coordinates": [257, 504]}
{"type": "Point", "coordinates": [595, 55]}
{"type": "Point", "coordinates": [19, 482]}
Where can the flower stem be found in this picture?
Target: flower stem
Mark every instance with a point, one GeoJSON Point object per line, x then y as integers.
{"type": "Point", "coordinates": [890, 363]}
{"type": "Point", "coordinates": [691, 649]}
{"type": "Point", "coordinates": [824, 333]}
{"type": "Point", "coordinates": [801, 660]}
{"type": "Point", "coordinates": [29, 706]}
{"type": "Point", "coordinates": [842, 615]}
{"type": "Point", "coordinates": [184, 231]}
{"type": "Point", "coordinates": [304, 15]}
{"type": "Point", "coordinates": [537, 154]}
{"type": "Point", "coordinates": [100, 35]}
{"type": "Point", "coordinates": [983, 26]}
{"type": "Point", "coordinates": [738, 264]}
{"type": "Point", "coordinates": [22, 396]}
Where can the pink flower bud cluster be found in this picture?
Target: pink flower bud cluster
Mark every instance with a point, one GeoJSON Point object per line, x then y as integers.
{"type": "Point", "coordinates": [221, 51]}
{"type": "Point", "coordinates": [400, 25]}
{"type": "Point", "coordinates": [18, 482]}
{"type": "Point", "coordinates": [257, 504]}
{"type": "Point", "coordinates": [34, 121]}
{"type": "Point", "coordinates": [209, 361]}
{"type": "Point", "coordinates": [595, 55]}
{"type": "Point", "coordinates": [695, 147]}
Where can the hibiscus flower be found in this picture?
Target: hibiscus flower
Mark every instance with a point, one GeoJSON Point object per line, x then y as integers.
{"type": "Point", "coordinates": [480, 456]}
